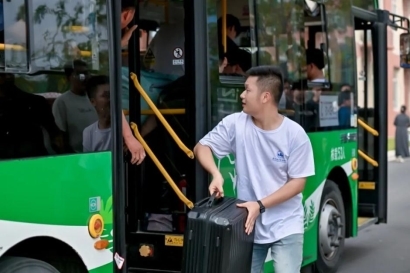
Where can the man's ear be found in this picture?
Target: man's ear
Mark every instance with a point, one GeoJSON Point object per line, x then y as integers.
{"type": "Point", "coordinates": [126, 17]}
{"type": "Point", "coordinates": [266, 96]}
{"type": "Point", "coordinates": [92, 100]}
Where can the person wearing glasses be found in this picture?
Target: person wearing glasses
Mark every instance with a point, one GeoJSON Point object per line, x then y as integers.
{"type": "Point", "coordinates": [73, 111]}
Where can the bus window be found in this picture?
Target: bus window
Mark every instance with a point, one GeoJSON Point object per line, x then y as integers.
{"type": "Point", "coordinates": [330, 66]}
{"type": "Point", "coordinates": [263, 40]}
{"type": "Point", "coordinates": [13, 38]}
{"type": "Point", "coordinates": [68, 31]}
{"type": "Point", "coordinates": [317, 65]}
{"type": "Point", "coordinates": [234, 43]}
{"type": "Point", "coordinates": [52, 102]}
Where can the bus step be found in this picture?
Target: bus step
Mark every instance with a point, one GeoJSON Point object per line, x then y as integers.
{"type": "Point", "coordinates": [364, 222]}
{"type": "Point", "coordinates": [154, 252]}
{"type": "Point", "coordinates": [367, 210]}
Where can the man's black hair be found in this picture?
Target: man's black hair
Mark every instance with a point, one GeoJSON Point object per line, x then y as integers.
{"type": "Point", "coordinates": [93, 82]}
{"type": "Point", "coordinates": [239, 57]}
{"type": "Point", "coordinates": [315, 56]}
{"type": "Point", "coordinates": [127, 4]}
{"type": "Point", "coordinates": [231, 21]}
{"type": "Point", "coordinates": [270, 78]}
{"type": "Point", "coordinates": [69, 67]}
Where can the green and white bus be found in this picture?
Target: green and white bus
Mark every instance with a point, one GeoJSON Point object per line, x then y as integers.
{"type": "Point", "coordinates": [94, 211]}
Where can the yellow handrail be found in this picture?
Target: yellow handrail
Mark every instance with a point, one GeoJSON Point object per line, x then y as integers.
{"type": "Point", "coordinates": [181, 145]}
{"type": "Point", "coordinates": [368, 158]}
{"type": "Point", "coordinates": [173, 111]}
{"type": "Point", "coordinates": [286, 111]}
{"type": "Point", "coordinates": [367, 127]}
{"type": "Point", "coordinates": [224, 37]}
{"type": "Point", "coordinates": [180, 195]}
{"type": "Point", "coordinates": [12, 47]}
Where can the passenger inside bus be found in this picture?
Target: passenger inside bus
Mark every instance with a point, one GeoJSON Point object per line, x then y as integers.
{"type": "Point", "coordinates": [315, 63]}
{"type": "Point", "coordinates": [163, 65]}
{"type": "Point", "coordinates": [345, 110]}
{"type": "Point", "coordinates": [73, 111]}
{"type": "Point", "coordinates": [97, 136]}
{"type": "Point", "coordinates": [27, 127]}
{"type": "Point", "coordinates": [238, 60]}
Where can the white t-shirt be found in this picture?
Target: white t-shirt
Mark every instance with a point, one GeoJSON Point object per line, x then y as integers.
{"type": "Point", "coordinates": [264, 162]}
{"type": "Point", "coordinates": [72, 114]}
{"type": "Point", "coordinates": [96, 139]}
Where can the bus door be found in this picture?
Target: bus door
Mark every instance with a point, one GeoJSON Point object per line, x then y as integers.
{"type": "Point", "coordinates": [371, 59]}
{"type": "Point", "coordinates": [162, 110]}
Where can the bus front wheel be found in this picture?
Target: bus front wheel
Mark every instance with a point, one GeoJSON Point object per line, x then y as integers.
{"type": "Point", "coordinates": [25, 265]}
{"type": "Point", "coordinates": [331, 229]}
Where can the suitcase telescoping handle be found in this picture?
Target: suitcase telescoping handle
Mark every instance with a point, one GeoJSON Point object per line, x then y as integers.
{"type": "Point", "coordinates": [212, 200]}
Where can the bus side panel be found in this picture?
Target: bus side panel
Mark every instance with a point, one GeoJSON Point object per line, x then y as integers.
{"type": "Point", "coordinates": [58, 197]}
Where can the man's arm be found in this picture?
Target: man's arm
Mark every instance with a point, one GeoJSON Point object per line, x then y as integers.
{"type": "Point", "coordinates": [289, 190]}
{"type": "Point", "coordinates": [134, 147]}
{"type": "Point", "coordinates": [219, 142]}
{"type": "Point", "coordinates": [300, 166]}
{"type": "Point", "coordinates": [205, 158]}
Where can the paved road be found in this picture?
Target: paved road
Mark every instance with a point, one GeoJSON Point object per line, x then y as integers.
{"type": "Point", "coordinates": [385, 248]}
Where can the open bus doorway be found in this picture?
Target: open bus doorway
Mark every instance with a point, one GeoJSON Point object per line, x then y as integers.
{"type": "Point", "coordinates": [164, 69]}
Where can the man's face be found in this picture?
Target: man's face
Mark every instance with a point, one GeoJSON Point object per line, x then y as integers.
{"type": "Point", "coordinates": [231, 32]}
{"type": "Point", "coordinates": [298, 96]}
{"type": "Point", "coordinates": [317, 91]}
{"type": "Point", "coordinates": [310, 71]}
{"type": "Point", "coordinates": [78, 77]}
{"type": "Point", "coordinates": [101, 100]}
{"type": "Point", "coordinates": [345, 88]}
{"type": "Point", "coordinates": [253, 99]}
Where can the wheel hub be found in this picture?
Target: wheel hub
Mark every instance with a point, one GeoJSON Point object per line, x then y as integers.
{"type": "Point", "coordinates": [330, 230]}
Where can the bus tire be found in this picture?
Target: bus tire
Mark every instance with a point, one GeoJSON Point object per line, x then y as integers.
{"type": "Point", "coordinates": [25, 265]}
{"type": "Point", "coordinates": [331, 229]}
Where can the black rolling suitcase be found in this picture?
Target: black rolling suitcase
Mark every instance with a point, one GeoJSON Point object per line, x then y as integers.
{"type": "Point", "coordinates": [215, 240]}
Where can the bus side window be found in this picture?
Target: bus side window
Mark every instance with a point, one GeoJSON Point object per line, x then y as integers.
{"type": "Point", "coordinates": [329, 64]}
{"type": "Point", "coordinates": [234, 50]}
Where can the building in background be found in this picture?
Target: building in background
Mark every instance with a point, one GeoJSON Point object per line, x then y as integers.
{"type": "Point", "coordinates": [399, 78]}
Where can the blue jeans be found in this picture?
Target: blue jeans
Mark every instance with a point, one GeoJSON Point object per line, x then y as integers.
{"type": "Point", "coordinates": [287, 255]}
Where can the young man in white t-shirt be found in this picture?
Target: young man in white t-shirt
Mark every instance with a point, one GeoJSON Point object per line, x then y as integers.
{"type": "Point", "coordinates": [273, 157]}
